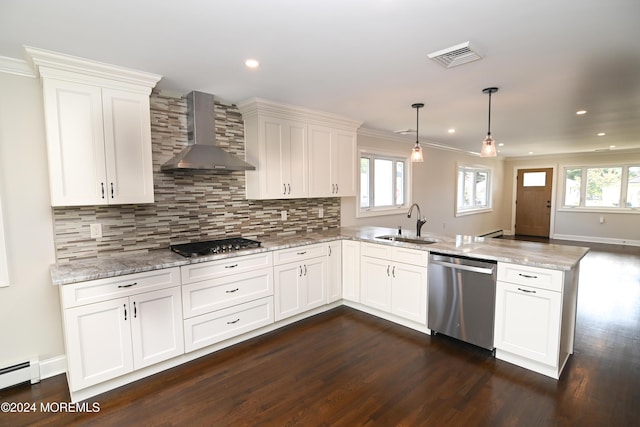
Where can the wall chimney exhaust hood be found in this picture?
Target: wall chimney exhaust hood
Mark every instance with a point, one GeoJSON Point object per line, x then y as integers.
{"type": "Point", "coordinates": [202, 153]}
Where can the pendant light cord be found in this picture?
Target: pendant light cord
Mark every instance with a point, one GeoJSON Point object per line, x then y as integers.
{"type": "Point", "coordinates": [489, 128]}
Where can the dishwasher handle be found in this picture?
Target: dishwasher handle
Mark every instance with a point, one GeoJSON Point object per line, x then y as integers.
{"type": "Point", "coordinates": [463, 267]}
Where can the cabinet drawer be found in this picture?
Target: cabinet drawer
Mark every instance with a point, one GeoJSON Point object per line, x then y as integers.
{"type": "Point", "coordinates": [215, 294]}
{"type": "Point", "coordinates": [81, 293]}
{"type": "Point", "coordinates": [224, 267]}
{"type": "Point", "coordinates": [377, 251]}
{"type": "Point", "coordinates": [536, 277]}
{"type": "Point", "coordinates": [220, 325]}
{"type": "Point", "coordinates": [299, 253]}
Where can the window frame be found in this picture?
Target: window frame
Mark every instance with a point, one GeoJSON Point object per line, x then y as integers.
{"type": "Point", "coordinates": [581, 207]}
{"type": "Point", "coordinates": [463, 167]}
{"type": "Point", "coordinates": [372, 154]}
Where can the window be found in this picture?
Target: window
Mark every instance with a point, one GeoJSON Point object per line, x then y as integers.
{"type": "Point", "coordinates": [473, 188]}
{"type": "Point", "coordinates": [383, 183]}
{"type": "Point", "coordinates": [602, 187]}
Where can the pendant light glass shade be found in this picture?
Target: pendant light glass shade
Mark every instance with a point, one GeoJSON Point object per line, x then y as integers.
{"type": "Point", "coordinates": [489, 144]}
{"type": "Point", "coordinates": [416, 153]}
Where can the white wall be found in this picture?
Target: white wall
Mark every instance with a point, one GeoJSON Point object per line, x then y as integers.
{"type": "Point", "coordinates": [30, 321]}
{"type": "Point", "coordinates": [617, 228]}
{"type": "Point", "coordinates": [433, 188]}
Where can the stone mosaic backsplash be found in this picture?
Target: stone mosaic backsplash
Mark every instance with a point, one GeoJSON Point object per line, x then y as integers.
{"type": "Point", "coordinates": [188, 206]}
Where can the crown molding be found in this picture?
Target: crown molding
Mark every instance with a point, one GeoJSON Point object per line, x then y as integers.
{"type": "Point", "coordinates": [255, 106]}
{"type": "Point", "coordinates": [50, 64]}
{"type": "Point", "coordinates": [15, 66]}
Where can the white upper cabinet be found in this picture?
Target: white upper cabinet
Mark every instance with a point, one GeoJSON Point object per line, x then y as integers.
{"type": "Point", "coordinates": [297, 152]}
{"type": "Point", "coordinates": [98, 126]}
{"type": "Point", "coordinates": [332, 162]}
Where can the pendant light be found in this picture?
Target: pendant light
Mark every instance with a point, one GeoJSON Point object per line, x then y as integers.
{"type": "Point", "coordinates": [489, 144]}
{"type": "Point", "coordinates": [416, 153]}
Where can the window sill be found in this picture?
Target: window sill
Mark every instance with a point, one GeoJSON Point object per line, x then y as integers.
{"type": "Point", "coordinates": [473, 211]}
{"type": "Point", "coordinates": [600, 210]}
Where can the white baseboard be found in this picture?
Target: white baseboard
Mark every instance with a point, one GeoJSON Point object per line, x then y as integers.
{"type": "Point", "coordinates": [592, 239]}
{"type": "Point", "coordinates": [53, 366]}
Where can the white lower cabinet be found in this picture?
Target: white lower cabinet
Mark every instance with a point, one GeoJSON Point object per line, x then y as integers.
{"type": "Point", "coordinates": [334, 271]}
{"type": "Point", "coordinates": [226, 298]}
{"type": "Point", "coordinates": [535, 317]}
{"type": "Point", "coordinates": [351, 270]}
{"type": "Point", "coordinates": [300, 280]}
{"type": "Point", "coordinates": [393, 286]}
{"type": "Point", "coordinates": [110, 338]}
{"type": "Point", "coordinates": [528, 321]}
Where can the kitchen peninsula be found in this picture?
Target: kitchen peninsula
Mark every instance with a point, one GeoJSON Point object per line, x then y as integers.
{"type": "Point", "coordinates": [215, 301]}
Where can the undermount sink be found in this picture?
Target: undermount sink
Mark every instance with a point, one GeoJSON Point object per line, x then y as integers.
{"type": "Point", "coordinates": [414, 240]}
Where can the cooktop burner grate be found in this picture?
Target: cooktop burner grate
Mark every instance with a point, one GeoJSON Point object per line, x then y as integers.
{"type": "Point", "coordinates": [211, 247]}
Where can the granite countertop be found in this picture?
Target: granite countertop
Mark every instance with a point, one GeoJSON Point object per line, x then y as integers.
{"type": "Point", "coordinates": [557, 257]}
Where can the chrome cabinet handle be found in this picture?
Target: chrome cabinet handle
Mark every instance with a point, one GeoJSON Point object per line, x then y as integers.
{"type": "Point", "coordinates": [527, 291]}
{"type": "Point", "coordinates": [128, 286]}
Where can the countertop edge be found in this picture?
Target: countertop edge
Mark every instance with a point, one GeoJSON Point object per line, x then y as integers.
{"type": "Point", "coordinates": [518, 252]}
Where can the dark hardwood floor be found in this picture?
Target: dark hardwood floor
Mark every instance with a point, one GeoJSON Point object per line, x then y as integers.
{"type": "Point", "coordinates": [346, 368]}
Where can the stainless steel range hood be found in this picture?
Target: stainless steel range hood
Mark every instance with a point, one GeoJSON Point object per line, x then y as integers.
{"type": "Point", "coordinates": [202, 153]}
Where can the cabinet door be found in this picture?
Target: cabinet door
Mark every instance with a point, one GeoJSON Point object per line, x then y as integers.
{"type": "Point", "coordinates": [127, 132]}
{"type": "Point", "coordinates": [409, 292]}
{"type": "Point", "coordinates": [527, 322]}
{"type": "Point", "coordinates": [351, 270]}
{"type": "Point", "coordinates": [98, 341]}
{"type": "Point", "coordinates": [314, 293]}
{"type": "Point", "coordinates": [375, 284]}
{"type": "Point", "coordinates": [334, 271]}
{"type": "Point", "coordinates": [343, 164]}
{"type": "Point", "coordinates": [295, 160]}
{"type": "Point", "coordinates": [287, 290]}
{"type": "Point", "coordinates": [320, 157]}
{"type": "Point", "coordinates": [156, 326]}
{"type": "Point", "coordinates": [75, 143]}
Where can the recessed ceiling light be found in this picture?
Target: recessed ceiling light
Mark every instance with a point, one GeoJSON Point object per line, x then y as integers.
{"type": "Point", "coordinates": [530, 152]}
{"type": "Point", "coordinates": [581, 112]}
{"type": "Point", "coordinates": [252, 63]}
{"type": "Point", "coordinates": [601, 134]}
{"type": "Point", "coordinates": [501, 144]}
{"type": "Point", "coordinates": [612, 146]}
{"type": "Point", "coordinates": [451, 130]}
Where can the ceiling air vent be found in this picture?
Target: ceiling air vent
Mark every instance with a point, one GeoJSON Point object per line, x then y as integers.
{"type": "Point", "coordinates": [455, 55]}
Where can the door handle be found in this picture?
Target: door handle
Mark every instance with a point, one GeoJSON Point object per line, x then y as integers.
{"type": "Point", "coordinates": [548, 203]}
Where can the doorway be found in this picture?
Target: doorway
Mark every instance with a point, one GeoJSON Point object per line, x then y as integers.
{"type": "Point", "coordinates": [533, 202]}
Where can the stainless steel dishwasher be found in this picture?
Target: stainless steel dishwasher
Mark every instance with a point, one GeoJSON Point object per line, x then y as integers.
{"type": "Point", "coordinates": [462, 297]}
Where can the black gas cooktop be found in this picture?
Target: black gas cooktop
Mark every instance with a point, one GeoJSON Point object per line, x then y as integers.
{"type": "Point", "coordinates": [210, 247]}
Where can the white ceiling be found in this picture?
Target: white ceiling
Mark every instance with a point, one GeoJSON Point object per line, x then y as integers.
{"type": "Point", "coordinates": [367, 59]}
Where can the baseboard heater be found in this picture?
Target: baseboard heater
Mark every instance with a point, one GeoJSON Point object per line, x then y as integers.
{"type": "Point", "coordinates": [20, 373]}
{"type": "Point", "coordinates": [497, 233]}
